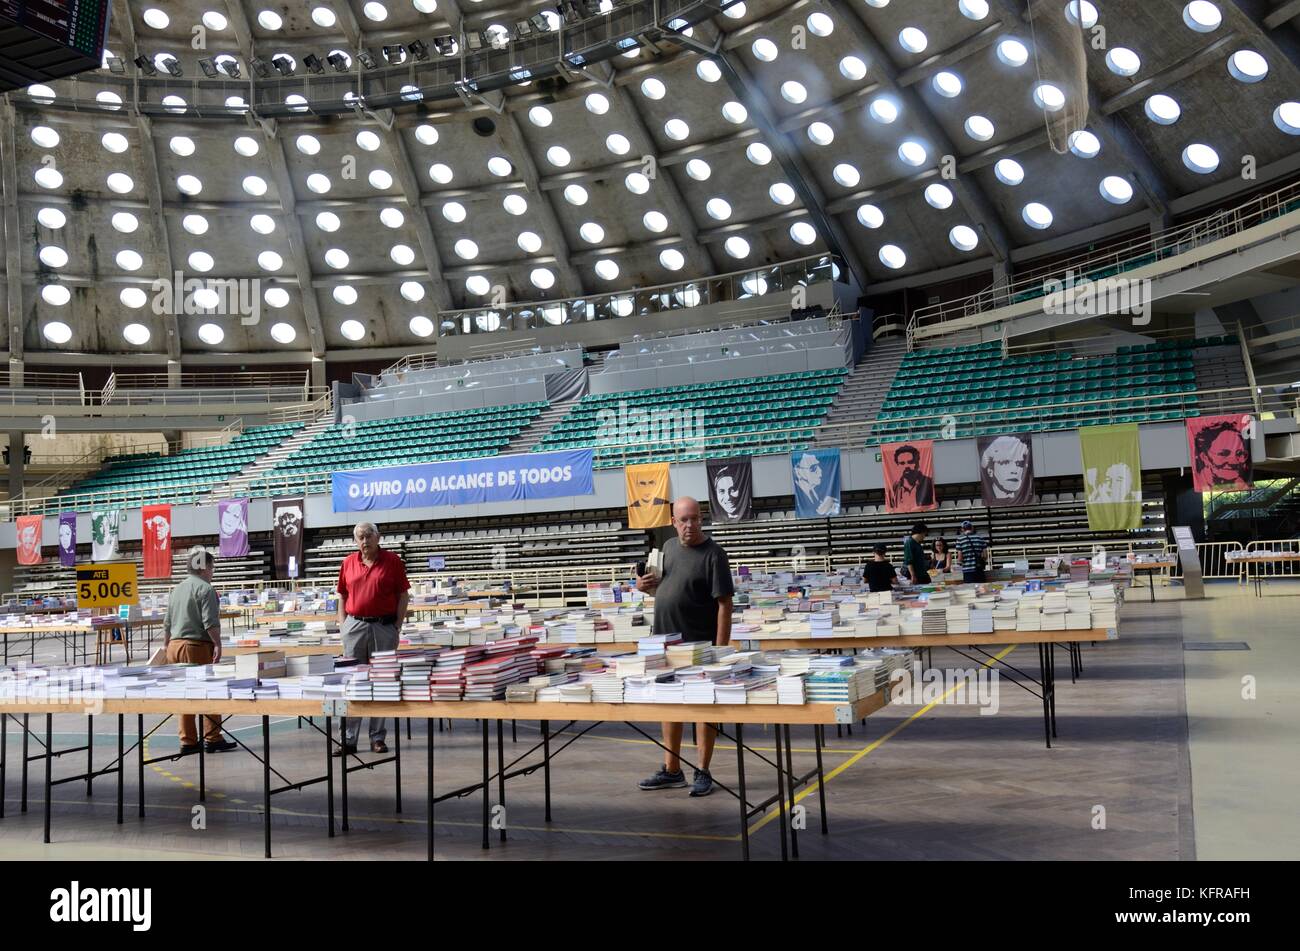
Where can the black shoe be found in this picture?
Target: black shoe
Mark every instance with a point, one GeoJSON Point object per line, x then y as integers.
{"type": "Point", "coordinates": [221, 746]}
{"type": "Point", "coordinates": [345, 751]}
{"type": "Point", "coordinates": [189, 750]}
{"type": "Point", "coordinates": [379, 746]}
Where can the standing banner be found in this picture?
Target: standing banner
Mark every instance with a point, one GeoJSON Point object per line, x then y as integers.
{"type": "Point", "coordinates": [156, 540]}
{"type": "Point", "coordinates": [909, 476]}
{"type": "Point", "coordinates": [731, 489]}
{"type": "Point", "coordinates": [29, 539]}
{"type": "Point", "coordinates": [1219, 448]}
{"type": "Point", "coordinates": [232, 528]}
{"type": "Point", "coordinates": [1112, 476]}
{"type": "Point", "coordinates": [287, 529]}
{"type": "Point", "coordinates": [1006, 469]}
{"type": "Point", "coordinates": [816, 476]}
{"type": "Point", "coordinates": [105, 526]}
{"type": "Point", "coordinates": [649, 503]}
{"type": "Point", "coordinates": [68, 539]}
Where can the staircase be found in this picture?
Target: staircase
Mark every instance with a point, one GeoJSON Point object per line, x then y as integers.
{"type": "Point", "coordinates": [1220, 368]}
{"type": "Point", "coordinates": [860, 397]}
{"type": "Point", "coordinates": [532, 434]}
{"type": "Point", "coordinates": [238, 486]}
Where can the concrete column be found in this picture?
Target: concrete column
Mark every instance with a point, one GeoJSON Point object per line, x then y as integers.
{"type": "Point", "coordinates": [173, 373]}
{"type": "Point", "coordinates": [17, 467]}
{"type": "Point", "coordinates": [317, 372]}
{"type": "Point", "coordinates": [15, 371]}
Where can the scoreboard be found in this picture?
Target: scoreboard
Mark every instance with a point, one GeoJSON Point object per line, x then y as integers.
{"type": "Point", "coordinates": [42, 40]}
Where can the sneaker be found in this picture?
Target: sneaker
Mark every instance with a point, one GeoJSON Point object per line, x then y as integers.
{"type": "Point", "coordinates": [703, 784]}
{"type": "Point", "coordinates": [664, 780]}
{"type": "Point", "coordinates": [222, 746]}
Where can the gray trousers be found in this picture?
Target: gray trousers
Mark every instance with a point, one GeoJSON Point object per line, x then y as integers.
{"type": "Point", "coordinates": [360, 640]}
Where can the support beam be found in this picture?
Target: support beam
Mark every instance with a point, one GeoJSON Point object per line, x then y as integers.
{"type": "Point", "coordinates": [1176, 72]}
{"type": "Point", "coordinates": [1282, 13]}
{"type": "Point", "coordinates": [13, 245]}
{"type": "Point", "coordinates": [1280, 47]}
{"type": "Point", "coordinates": [162, 240]}
{"type": "Point", "coordinates": [951, 56]}
{"type": "Point", "coordinates": [419, 215]}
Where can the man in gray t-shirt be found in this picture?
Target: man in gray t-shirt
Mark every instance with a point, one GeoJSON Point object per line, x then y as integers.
{"type": "Point", "coordinates": [693, 598]}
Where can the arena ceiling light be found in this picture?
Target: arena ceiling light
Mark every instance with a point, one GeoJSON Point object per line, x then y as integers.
{"type": "Point", "coordinates": [963, 238]}
{"type": "Point", "coordinates": [276, 297]}
{"type": "Point", "coordinates": [979, 128]}
{"type": "Point", "coordinates": [1012, 52]}
{"type": "Point", "coordinates": [1084, 144]}
{"type": "Point", "coordinates": [892, 256]}
{"type": "Point", "coordinates": [1037, 215]}
{"type": "Point", "coordinates": [1116, 190]}
{"type": "Point", "coordinates": [1287, 117]}
{"type": "Point", "coordinates": [1162, 109]}
{"type": "Point", "coordinates": [869, 216]}
{"type": "Point", "coordinates": [56, 295]}
{"type": "Point", "coordinates": [883, 109]}
{"type": "Point", "coordinates": [1202, 16]}
{"type": "Point", "coordinates": [1200, 158]}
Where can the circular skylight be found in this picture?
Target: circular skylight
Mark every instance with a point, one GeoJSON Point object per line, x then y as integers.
{"type": "Point", "coordinates": [155, 18]}
{"type": "Point", "coordinates": [617, 143]}
{"type": "Point", "coordinates": [307, 144]}
{"type": "Point", "coordinates": [973, 9]}
{"type": "Point", "coordinates": [211, 334]}
{"type": "Point", "coordinates": [734, 112]}
{"type": "Point", "coordinates": [963, 238]}
{"type": "Point", "coordinates": [262, 224]}
{"type": "Point", "coordinates": [764, 49]}
{"type": "Point", "coordinates": [328, 221]}
{"type": "Point", "coordinates": [821, 133]}
{"type": "Point", "coordinates": [454, 212]}
{"type": "Point", "coordinates": [913, 39]}
{"type": "Point", "coordinates": [676, 129]}
{"type": "Point", "coordinates": [558, 156]}
{"type": "Point", "coordinates": [708, 70]}
{"type": "Point", "coordinates": [345, 294]}
{"type": "Point", "coordinates": [247, 146]}
{"type": "Point", "coordinates": [718, 209]}
{"type": "Point", "coordinates": [803, 233]}
{"type": "Point", "coordinates": [1200, 158]}
{"type": "Point", "coordinates": [51, 218]}
{"type": "Point", "coordinates": [1287, 117]}
{"type": "Point", "coordinates": [477, 285]}
{"type": "Point", "coordinates": [374, 10]}
{"type": "Point", "coordinates": [852, 67]}
{"type": "Point", "coordinates": [53, 256]}
{"type": "Point", "coordinates": [1009, 171]}
{"type": "Point", "coordinates": [126, 222]}
{"type": "Point", "coordinates": [215, 21]}
{"type": "Point", "coordinates": [1012, 52]}
{"type": "Point", "coordinates": [421, 326]}
{"type": "Point", "coordinates": [57, 332]}
{"type": "Point", "coordinates": [48, 177]}
{"type": "Point", "coordinates": [655, 221]}
{"type": "Point", "coordinates": [794, 92]}
{"type": "Point", "coordinates": [781, 193]}
{"type": "Point", "coordinates": [380, 179]}
{"type": "Point", "coordinates": [699, 170]}
{"type": "Point", "coordinates": [755, 285]}
{"type": "Point", "coordinates": [56, 295]}
{"type": "Point", "coordinates": [111, 100]}
{"type": "Point", "coordinates": [606, 269]}
{"type": "Point", "coordinates": [269, 20]}
{"type": "Point", "coordinates": [892, 256]}
{"type": "Point", "coordinates": [189, 184]}
{"type": "Point", "coordinates": [979, 128]}
{"type": "Point", "coordinates": [1123, 61]}
{"type": "Point", "coordinates": [653, 88]}
{"type": "Point", "coordinates": [672, 259]}
{"type": "Point", "coordinates": [542, 278]}
{"type": "Point", "coordinates": [283, 333]}
{"type": "Point", "coordinates": [758, 153]}
{"type": "Point", "coordinates": [368, 139]}
{"type": "Point", "coordinates": [120, 182]}
{"type": "Point", "coordinates": [440, 173]}
{"type": "Point", "coordinates": [136, 334]}
{"type": "Point", "coordinates": [819, 24]}
{"type": "Point", "coordinates": [412, 291]}
{"type": "Point", "coordinates": [115, 142]}
{"type": "Point", "coordinates": [319, 182]}
{"type": "Point", "coordinates": [597, 104]}
{"type": "Point", "coordinates": [575, 194]}
{"type": "Point", "coordinates": [465, 249]}
{"type": "Point", "coordinates": [1247, 66]}
{"type": "Point", "coordinates": [1162, 109]}
{"type": "Point", "coordinates": [623, 306]}
{"type": "Point", "coordinates": [514, 204]}
{"type": "Point", "coordinates": [276, 297]}
{"type": "Point", "coordinates": [883, 109]}
{"type": "Point", "coordinates": [736, 247]}
{"type": "Point", "coordinates": [938, 196]}
{"type": "Point", "coordinates": [529, 242]}
{"type": "Point", "coordinates": [947, 84]}
{"type": "Point", "coordinates": [323, 17]}
{"type": "Point", "coordinates": [401, 254]}
{"type": "Point", "coordinates": [1084, 144]}
{"type": "Point", "coordinates": [337, 258]}
{"type": "Point", "coordinates": [133, 297]}
{"type": "Point", "coordinates": [1037, 215]}
{"type": "Point", "coordinates": [846, 175]}
{"type": "Point", "coordinates": [174, 103]}
{"type": "Point", "coordinates": [270, 261]}
{"type": "Point", "coordinates": [352, 329]}
{"type": "Point", "coordinates": [869, 216]}
{"type": "Point", "coordinates": [194, 224]}
{"type": "Point", "coordinates": [1202, 16]}
{"type": "Point", "coordinates": [45, 137]}
{"type": "Point", "coordinates": [254, 185]}
{"type": "Point", "coordinates": [201, 261]}
{"type": "Point", "coordinates": [41, 93]}
{"type": "Point", "coordinates": [912, 153]}
{"type": "Point", "coordinates": [1082, 13]}
{"type": "Point", "coordinates": [426, 134]}
{"type": "Point", "coordinates": [540, 116]}
{"type": "Point", "coordinates": [1116, 190]}
{"type": "Point", "coordinates": [591, 232]}
{"type": "Point", "coordinates": [1049, 97]}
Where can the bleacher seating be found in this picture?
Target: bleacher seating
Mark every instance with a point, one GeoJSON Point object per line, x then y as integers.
{"type": "Point", "coordinates": [402, 440]}
{"type": "Point", "coordinates": [180, 477]}
{"type": "Point", "coordinates": [1038, 392]}
{"type": "Point", "coordinates": [777, 413]}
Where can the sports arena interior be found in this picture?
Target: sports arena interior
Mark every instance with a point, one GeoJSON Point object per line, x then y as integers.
{"type": "Point", "coordinates": [270, 244]}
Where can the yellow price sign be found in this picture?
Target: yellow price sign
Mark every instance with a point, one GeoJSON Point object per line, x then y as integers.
{"type": "Point", "coordinates": [107, 586]}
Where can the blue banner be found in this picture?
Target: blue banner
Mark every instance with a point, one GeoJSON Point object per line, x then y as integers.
{"type": "Point", "coordinates": [816, 475]}
{"type": "Point", "coordinates": [531, 475]}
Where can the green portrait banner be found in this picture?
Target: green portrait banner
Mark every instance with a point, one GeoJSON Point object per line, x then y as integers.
{"type": "Point", "coordinates": [1112, 476]}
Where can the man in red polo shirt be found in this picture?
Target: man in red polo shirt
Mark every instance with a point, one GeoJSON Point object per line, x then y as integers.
{"type": "Point", "coordinates": [373, 592]}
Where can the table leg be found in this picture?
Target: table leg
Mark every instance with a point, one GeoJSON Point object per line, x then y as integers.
{"type": "Point", "coordinates": [203, 761]}
{"type": "Point", "coordinates": [90, 755]}
{"type": "Point", "coordinates": [49, 765]}
{"type": "Point", "coordinates": [486, 783]}
{"type": "Point", "coordinates": [4, 758]}
{"type": "Point", "coordinates": [329, 768]}
{"type": "Point", "coordinates": [121, 765]}
{"type": "Point", "coordinates": [789, 769]}
{"type": "Point", "coordinates": [428, 726]}
{"type": "Point", "coordinates": [23, 802]}
{"type": "Point", "coordinates": [740, 782]}
{"type": "Point", "coordinates": [266, 783]}
{"type": "Point", "coordinates": [821, 776]}
{"type": "Point", "coordinates": [501, 775]}
{"type": "Point", "coordinates": [397, 759]}
{"type": "Point", "coordinates": [1042, 681]}
{"type": "Point", "coordinates": [1051, 679]}
{"type": "Point", "coordinates": [343, 773]}
{"type": "Point", "coordinates": [780, 797]}
{"type": "Point", "coordinates": [546, 765]}
{"type": "Point", "coordinates": [139, 749]}
{"type": "Point", "coordinates": [1152, 577]}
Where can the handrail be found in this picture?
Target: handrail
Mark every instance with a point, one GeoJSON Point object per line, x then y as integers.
{"type": "Point", "coordinates": [1165, 244]}
{"type": "Point", "coordinates": [1250, 367]}
{"type": "Point", "coordinates": [850, 435]}
{"type": "Point", "coordinates": [112, 397]}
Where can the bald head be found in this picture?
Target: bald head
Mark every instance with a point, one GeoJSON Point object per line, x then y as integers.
{"type": "Point", "coordinates": [686, 520]}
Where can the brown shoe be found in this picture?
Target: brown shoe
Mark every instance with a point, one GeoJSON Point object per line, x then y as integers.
{"type": "Point", "coordinates": [379, 746]}
{"type": "Point", "coordinates": [344, 750]}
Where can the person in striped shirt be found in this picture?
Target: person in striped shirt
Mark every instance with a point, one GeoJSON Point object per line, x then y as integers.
{"type": "Point", "coordinates": [971, 553]}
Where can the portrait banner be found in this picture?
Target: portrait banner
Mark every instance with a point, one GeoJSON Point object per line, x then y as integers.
{"type": "Point", "coordinates": [816, 477]}
{"type": "Point", "coordinates": [1006, 469]}
{"type": "Point", "coordinates": [649, 502]}
{"type": "Point", "coordinates": [68, 539]}
{"type": "Point", "coordinates": [29, 539]}
{"type": "Point", "coordinates": [232, 528]}
{"type": "Point", "coordinates": [105, 529]}
{"type": "Point", "coordinates": [1219, 450]}
{"type": "Point", "coordinates": [287, 531]}
{"type": "Point", "coordinates": [731, 489]}
{"type": "Point", "coordinates": [156, 540]}
{"type": "Point", "coordinates": [909, 476]}
{"type": "Point", "coordinates": [1112, 476]}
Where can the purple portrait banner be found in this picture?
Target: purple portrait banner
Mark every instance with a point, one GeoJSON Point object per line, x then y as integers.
{"type": "Point", "coordinates": [232, 531]}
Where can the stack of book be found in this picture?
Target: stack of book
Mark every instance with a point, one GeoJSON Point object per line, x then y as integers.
{"type": "Point", "coordinates": [261, 664]}
{"type": "Point", "coordinates": [1004, 616]}
{"type": "Point", "coordinates": [359, 687]}
{"type": "Point", "coordinates": [575, 693]}
{"type": "Point", "coordinates": [957, 619]}
{"type": "Point", "coordinates": [656, 643]}
{"type": "Point", "coordinates": [521, 693]}
{"type": "Point", "coordinates": [606, 687]}
{"type": "Point", "coordinates": [822, 623]}
{"type": "Point", "coordinates": [840, 686]}
{"type": "Point", "coordinates": [686, 653]}
{"type": "Point", "coordinates": [415, 671]}
{"type": "Point", "coordinates": [298, 665]}
{"type": "Point", "coordinates": [790, 689]}
{"type": "Point", "coordinates": [981, 620]}
{"type": "Point", "coordinates": [670, 691]}
{"type": "Point", "coordinates": [697, 688]}
{"type": "Point", "coordinates": [934, 620]}
{"type": "Point", "coordinates": [638, 689]}
{"type": "Point", "coordinates": [385, 674]}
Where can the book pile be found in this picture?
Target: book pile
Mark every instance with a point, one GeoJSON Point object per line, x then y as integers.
{"type": "Point", "coordinates": [638, 689]}
{"type": "Point", "coordinates": [521, 693]}
{"type": "Point", "coordinates": [822, 623]}
{"type": "Point", "coordinates": [656, 643]}
{"type": "Point", "coordinates": [957, 619]}
{"type": "Point", "coordinates": [909, 622]}
{"type": "Point", "coordinates": [1103, 606]}
{"type": "Point", "coordinates": [606, 687]}
{"type": "Point", "coordinates": [698, 685]}
{"type": "Point", "coordinates": [840, 686]}
{"type": "Point", "coordinates": [1029, 615]}
{"type": "Point", "coordinates": [934, 619]}
{"type": "Point", "coordinates": [981, 620]}
{"type": "Point", "coordinates": [574, 693]}
{"type": "Point", "coordinates": [358, 686]}
{"type": "Point", "coordinates": [790, 689]}
{"type": "Point", "coordinates": [385, 676]}
{"type": "Point", "coordinates": [1004, 616]}
{"type": "Point", "coordinates": [764, 694]}
{"type": "Point", "coordinates": [415, 670]}
{"type": "Point", "coordinates": [686, 653]}
{"type": "Point", "coordinates": [487, 679]}
{"type": "Point", "coordinates": [261, 664]}
{"type": "Point", "coordinates": [628, 625]}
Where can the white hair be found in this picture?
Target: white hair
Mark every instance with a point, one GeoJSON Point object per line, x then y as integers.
{"type": "Point", "coordinates": [364, 527]}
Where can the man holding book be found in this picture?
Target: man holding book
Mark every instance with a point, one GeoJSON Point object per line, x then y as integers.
{"type": "Point", "coordinates": [373, 592]}
{"type": "Point", "coordinates": [692, 598]}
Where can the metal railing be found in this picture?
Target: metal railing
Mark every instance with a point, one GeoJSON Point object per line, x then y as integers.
{"type": "Point", "coordinates": [43, 379]}
{"type": "Point", "coordinates": [302, 412]}
{"type": "Point", "coordinates": [1114, 260]}
{"type": "Point", "coordinates": [209, 379]}
{"type": "Point", "coordinates": [1214, 561]}
{"type": "Point", "coordinates": [115, 397]}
